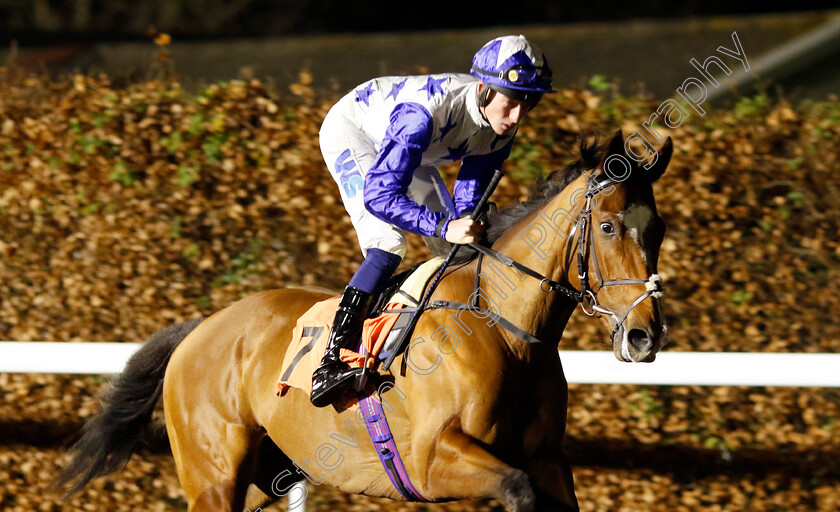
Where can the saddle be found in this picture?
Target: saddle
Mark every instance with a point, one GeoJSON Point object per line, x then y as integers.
{"type": "Point", "coordinates": [381, 331]}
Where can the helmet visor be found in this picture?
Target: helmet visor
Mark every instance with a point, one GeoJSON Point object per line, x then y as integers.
{"type": "Point", "coordinates": [522, 75]}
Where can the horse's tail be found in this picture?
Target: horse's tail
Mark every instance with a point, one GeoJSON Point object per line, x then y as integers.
{"type": "Point", "coordinates": [113, 434]}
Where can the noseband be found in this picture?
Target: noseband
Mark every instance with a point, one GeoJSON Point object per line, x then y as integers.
{"type": "Point", "coordinates": [586, 296]}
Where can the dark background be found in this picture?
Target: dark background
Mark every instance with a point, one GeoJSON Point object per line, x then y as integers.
{"type": "Point", "coordinates": [639, 47]}
{"type": "Point", "coordinates": [34, 22]}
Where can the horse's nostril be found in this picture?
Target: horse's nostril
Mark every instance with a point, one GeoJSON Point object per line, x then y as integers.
{"type": "Point", "coordinates": [639, 339]}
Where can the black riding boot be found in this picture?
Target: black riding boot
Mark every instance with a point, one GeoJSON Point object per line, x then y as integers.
{"type": "Point", "coordinates": [330, 380]}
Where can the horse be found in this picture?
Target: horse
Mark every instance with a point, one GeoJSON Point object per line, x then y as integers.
{"type": "Point", "coordinates": [477, 406]}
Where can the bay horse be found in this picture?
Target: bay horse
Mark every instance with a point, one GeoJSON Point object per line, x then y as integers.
{"type": "Point", "coordinates": [482, 412]}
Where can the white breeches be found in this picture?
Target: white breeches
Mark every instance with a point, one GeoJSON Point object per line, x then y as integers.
{"type": "Point", "coordinates": [349, 153]}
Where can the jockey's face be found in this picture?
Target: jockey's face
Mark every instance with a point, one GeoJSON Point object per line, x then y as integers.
{"type": "Point", "coordinates": [504, 113]}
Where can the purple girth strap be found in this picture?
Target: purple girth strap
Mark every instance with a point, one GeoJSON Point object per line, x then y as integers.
{"type": "Point", "coordinates": [386, 447]}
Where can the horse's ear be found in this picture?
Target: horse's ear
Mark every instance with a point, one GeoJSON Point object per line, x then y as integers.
{"type": "Point", "coordinates": [616, 146]}
{"type": "Point", "coordinates": [661, 164]}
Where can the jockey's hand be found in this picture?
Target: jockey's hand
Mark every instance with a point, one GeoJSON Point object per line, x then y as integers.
{"type": "Point", "coordinates": [464, 231]}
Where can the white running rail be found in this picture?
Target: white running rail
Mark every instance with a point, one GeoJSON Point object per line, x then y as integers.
{"type": "Point", "coordinates": [580, 366]}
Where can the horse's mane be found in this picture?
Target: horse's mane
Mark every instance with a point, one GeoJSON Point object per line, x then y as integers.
{"type": "Point", "coordinates": [589, 151]}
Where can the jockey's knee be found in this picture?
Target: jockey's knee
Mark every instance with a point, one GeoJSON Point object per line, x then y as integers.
{"type": "Point", "coordinates": [394, 245]}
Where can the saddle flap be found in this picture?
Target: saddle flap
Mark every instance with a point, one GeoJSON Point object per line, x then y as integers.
{"type": "Point", "coordinates": [379, 334]}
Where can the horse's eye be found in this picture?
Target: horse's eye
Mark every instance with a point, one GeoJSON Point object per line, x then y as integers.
{"type": "Point", "coordinates": [607, 228]}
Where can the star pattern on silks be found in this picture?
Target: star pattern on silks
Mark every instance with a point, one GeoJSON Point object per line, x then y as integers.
{"type": "Point", "coordinates": [498, 139]}
{"type": "Point", "coordinates": [458, 152]}
{"type": "Point", "coordinates": [433, 86]}
{"type": "Point", "coordinates": [396, 88]}
{"type": "Point", "coordinates": [363, 94]}
{"type": "Point", "coordinates": [447, 127]}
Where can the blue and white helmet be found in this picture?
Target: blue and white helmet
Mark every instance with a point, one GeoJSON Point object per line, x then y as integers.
{"type": "Point", "coordinates": [514, 67]}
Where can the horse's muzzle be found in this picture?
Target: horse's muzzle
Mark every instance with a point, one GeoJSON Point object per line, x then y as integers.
{"type": "Point", "coordinates": [636, 345]}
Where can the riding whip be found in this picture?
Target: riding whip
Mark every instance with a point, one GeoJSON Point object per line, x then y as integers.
{"type": "Point", "coordinates": [406, 332]}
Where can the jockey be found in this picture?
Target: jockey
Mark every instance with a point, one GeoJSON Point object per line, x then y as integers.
{"type": "Point", "coordinates": [381, 143]}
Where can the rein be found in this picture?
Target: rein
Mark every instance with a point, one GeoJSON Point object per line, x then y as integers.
{"type": "Point", "coordinates": [378, 427]}
{"type": "Point", "coordinates": [586, 296]}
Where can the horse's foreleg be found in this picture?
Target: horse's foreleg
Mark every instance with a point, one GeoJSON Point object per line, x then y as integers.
{"type": "Point", "coordinates": [554, 483]}
{"type": "Point", "coordinates": [462, 468]}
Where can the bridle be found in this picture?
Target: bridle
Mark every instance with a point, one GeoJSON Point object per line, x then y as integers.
{"type": "Point", "coordinates": [586, 296]}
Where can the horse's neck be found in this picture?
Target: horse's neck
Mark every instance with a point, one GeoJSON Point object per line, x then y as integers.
{"type": "Point", "coordinates": [538, 241]}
